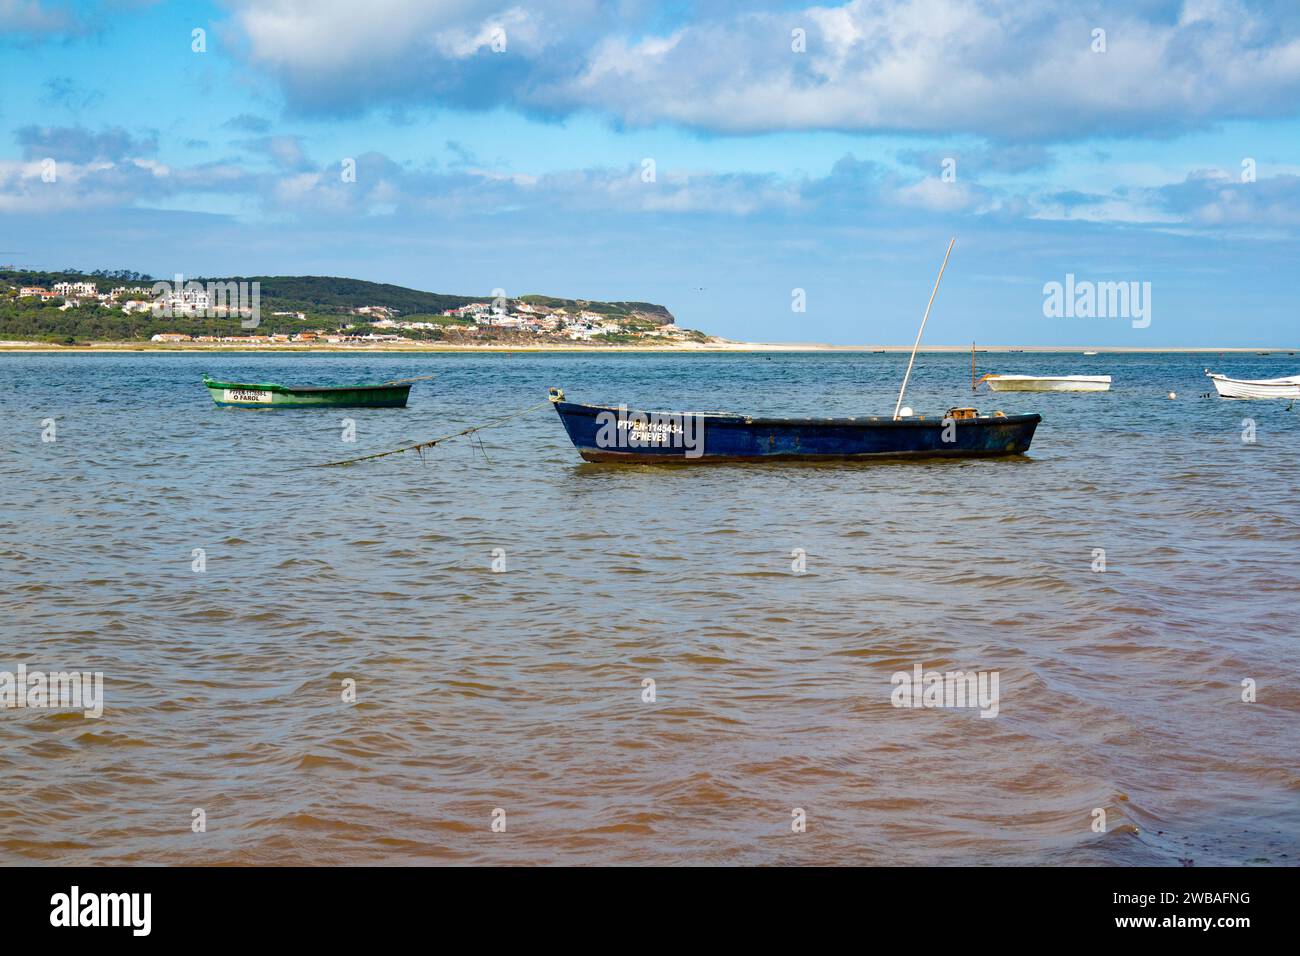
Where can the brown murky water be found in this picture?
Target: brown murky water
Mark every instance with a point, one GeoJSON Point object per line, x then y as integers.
{"type": "Point", "coordinates": [523, 690]}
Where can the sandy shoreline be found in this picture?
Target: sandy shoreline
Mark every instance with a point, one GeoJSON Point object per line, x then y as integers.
{"type": "Point", "coordinates": [684, 349]}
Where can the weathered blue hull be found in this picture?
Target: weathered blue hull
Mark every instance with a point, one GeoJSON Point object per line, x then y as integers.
{"type": "Point", "coordinates": [714, 437]}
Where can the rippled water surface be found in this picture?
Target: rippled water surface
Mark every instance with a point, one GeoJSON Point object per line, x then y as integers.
{"type": "Point", "coordinates": [522, 690]}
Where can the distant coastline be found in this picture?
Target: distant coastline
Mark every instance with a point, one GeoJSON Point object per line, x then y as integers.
{"type": "Point", "coordinates": [99, 310]}
{"type": "Point", "coordinates": [715, 346]}
{"type": "Point", "coordinates": [125, 311]}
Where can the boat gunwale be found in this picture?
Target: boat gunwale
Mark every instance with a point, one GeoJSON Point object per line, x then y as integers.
{"type": "Point", "coordinates": [309, 389]}
{"type": "Point", "coordinates": [860, 422]}
{"type": "Point", "coordinates": [1290, 381]}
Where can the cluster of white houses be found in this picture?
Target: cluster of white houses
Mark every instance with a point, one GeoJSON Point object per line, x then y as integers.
{"type": "Point", "coordinates": [279, 338]}
{"type": "Point", "coordinates": [73, 294]}
{"type": "Point", "coordinates": [582, 324]}
{"type": "Point", "coordinates": [191, 299]}
{"type": "Point", "coordinates": [194, 300]}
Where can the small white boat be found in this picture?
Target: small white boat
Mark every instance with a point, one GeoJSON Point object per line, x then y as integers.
{"type": "Point", "coordinates": [1048, 383]}
{"type": "Point", "coordinates": [1255, 388]}
{"type": "Point", "coordinates": [1089, 353]}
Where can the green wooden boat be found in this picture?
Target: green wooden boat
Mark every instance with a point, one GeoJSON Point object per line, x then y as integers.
{"type": "Point", "coordinates": [267, 395]}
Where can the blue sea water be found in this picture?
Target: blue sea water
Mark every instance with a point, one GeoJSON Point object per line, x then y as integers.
{"type": "Point", "coordinates": [524, 689]}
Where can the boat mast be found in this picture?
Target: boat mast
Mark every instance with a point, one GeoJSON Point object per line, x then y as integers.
{"type": "Point", "coordinates": [921, 330]}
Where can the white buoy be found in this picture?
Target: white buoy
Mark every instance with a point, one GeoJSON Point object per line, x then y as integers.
{"type": "Point", "coordinates": [1173, 394]}
{"type": "Point", "coordinates": [906, 411]}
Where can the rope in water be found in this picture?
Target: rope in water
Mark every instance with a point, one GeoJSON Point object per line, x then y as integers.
{"type": "Point", "coordinates": [435, 441]}
{"type": "Point", "coordinates": [403, 381]}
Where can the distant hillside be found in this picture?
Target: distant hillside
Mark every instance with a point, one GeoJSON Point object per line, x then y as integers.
{"type": "Point", "coordinates": [646, 311]}
{"type": "Point", "coordinates": [323, 301]}
{"type": "Point", "coordinates": [333, 294]}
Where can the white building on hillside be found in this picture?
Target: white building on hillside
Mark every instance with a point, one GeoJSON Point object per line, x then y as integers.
{"type": "Point", "coordinates": [69, 289]}
{"type": "Point", "coordinates": [190, 301]}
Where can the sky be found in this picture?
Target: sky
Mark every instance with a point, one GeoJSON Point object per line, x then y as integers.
{"type": "Point", "coordinates": [778, 172]}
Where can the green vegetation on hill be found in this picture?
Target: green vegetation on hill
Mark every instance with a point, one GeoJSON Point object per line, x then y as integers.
{"type": "Point", "coordinates": [647, 311]}
{"type": "Point", "coordinates": [332, 294]}
{"type": "Point", "coordinates": [29, 320]}
{"type": "Point", "coordinates": [325, 301]}
{"type": "Point", "coordinates": [104, 279]}
{"type": "Point", "coordinates": [438, 319]}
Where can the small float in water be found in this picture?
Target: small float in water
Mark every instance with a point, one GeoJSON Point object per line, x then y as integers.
{"type": "Point", "coordinates": [1255, 388]}
{"type": "Point", "coordinates": [603, 433]}
{"type": "Point", "coordinates": [269, 395]}
{"type": "Point", "coordinates": [1048, 383]}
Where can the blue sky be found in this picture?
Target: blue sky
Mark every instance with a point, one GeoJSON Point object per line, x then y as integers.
{"type": "Point", "coordinates": [504, 145]}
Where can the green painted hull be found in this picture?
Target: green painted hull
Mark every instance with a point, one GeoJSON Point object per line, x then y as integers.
{"type": "Point", "coordinates": [263, 395]}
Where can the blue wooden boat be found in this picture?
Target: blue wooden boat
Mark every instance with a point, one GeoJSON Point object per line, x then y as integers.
{"type": "Point", "coordinates": [602, 433]}
{"type": "Point", "coordinates": [605, 434]}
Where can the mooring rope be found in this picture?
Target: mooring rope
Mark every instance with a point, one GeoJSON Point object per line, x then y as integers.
{"type": "Point", "coordinates": [403, 381]}
{"type": "Point", "coordinates": [435, 441]}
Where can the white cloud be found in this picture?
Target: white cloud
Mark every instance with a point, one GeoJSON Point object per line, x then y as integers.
{"type": "Point", "coordinates": [852, 190]}
{"type": "Point", "coordinates": [936, 195]}
{"type": "Point", "coordinates": [1011, 69]}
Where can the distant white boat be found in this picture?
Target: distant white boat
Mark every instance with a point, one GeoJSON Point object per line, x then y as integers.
{"type": "Point", "coordinates": [1048, 383]}
{"type": "Point", "coordinates": [1255, 388]}
{"type": "Point", "coordinates": [1089, 353]}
